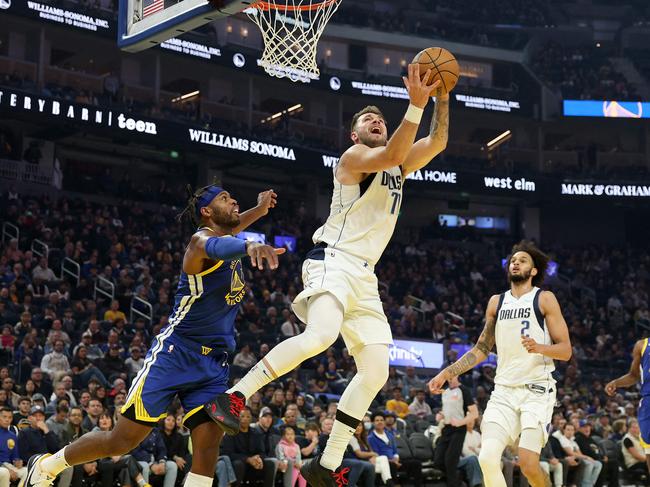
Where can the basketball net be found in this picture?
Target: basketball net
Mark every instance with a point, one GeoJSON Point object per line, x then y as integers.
{"type": "Point", "coordinates": [291, 30]}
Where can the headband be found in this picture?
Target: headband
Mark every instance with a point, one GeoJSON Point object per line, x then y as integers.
{"type": "Point", "coordinates": [206, 198]}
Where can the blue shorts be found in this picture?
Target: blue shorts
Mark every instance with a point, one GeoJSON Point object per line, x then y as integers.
{"type": "Point", "coordinates": [175, 365]}
{"type": "Point", "coordinates": [644, 423]}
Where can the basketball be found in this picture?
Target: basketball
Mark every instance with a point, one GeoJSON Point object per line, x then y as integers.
{"type": "Point", "coordinates": [443, 64]}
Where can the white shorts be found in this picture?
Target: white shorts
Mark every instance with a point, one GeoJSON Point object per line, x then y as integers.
{"type": "Point", "coordinates": [517, 408]}
{"type": "Point", "coordinates": [354, 284]}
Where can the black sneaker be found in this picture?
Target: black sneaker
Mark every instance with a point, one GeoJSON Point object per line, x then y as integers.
{"type": "Point", "coordinates": [224, 410]}
{"type": "Point", "coordinates": [318, 476]}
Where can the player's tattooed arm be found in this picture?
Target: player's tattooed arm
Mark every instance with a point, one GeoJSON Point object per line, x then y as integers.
{"type": "Point", "coordinates": [478, 353]}
{"type": "Point", "coordinates": [429, 147]}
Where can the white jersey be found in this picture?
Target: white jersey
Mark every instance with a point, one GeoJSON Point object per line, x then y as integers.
{"type": "Point", "coordinates": [363, 216]}
{"type": "Point", "coordinates": [517, 317]}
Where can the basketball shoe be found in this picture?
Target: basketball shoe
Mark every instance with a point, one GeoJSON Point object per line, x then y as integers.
{"type": "Point", "coordinates": [224, 410]}
{"type": "Point", "coordinates": [36, 476]}
{"type": "Point", "coordinates": [318, 476]}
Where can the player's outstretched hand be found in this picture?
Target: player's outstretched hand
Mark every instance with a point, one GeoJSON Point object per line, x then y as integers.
{"type": "Point", "coordinates": [418, 88]}
{"type": "Point", "coordinates": [260, 253]}
{"type": "Point", "coordinates": [610, 388]}
{"type": "Point", "coordinates": [266, 200]}
{"type": "Point", "coordinates": [438, 382]}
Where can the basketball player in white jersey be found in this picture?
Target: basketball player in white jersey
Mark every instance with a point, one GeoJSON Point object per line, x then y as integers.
{"type": "Point", "coordinates": [340, 287]}
{"type": "Point", "coordinates": [529, 331]}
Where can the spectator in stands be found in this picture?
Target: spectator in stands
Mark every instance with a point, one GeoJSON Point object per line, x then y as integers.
{"type": "Point", "coordinates": [558, 470]}
{"type": "Point", "coordinates": [112, 365]}
{"type": "Point", "coordinates": [290, 327]}
{"type": "Point", "coordinates": [592, 467]}
{"type": "Point", "coordinates": [291, 419]}
{"type": "Point", "coordinates": [8, 385]}
{"type": "Point", "coordinates": [619, 429]}
{"type": "Point", "coordinates": [58, 422]}
{"type": "Point", "coordinates": [93, 351]}
{"type": "Point", "coordinates": [73, 429]}
{"type": "Point", "coordinates": [469, 457]}
{"type": "Point", "coordinates": [42, 384]}
{"type": "Point", "coordinates": [11, 465]}
{"type": "Point", "coordinates": [397, 404]}
{"type": "Point", "coordinates": [246, 451]}
{"type": "Point", "coordinates": [412, 382]}
{"type": "Point", "coordinates": [83, 369]}
{"type": "Point", "coordinates": [419, 406]}
{"type": "Point", "coordinates": [363, 451]}
{"type": "Point", "coordinates": [176, 446]}
{"type": "Point", "coordinates": [632, 450]}
{"type": "Point", "coordinates": [587, 444]}
{"type": "Point", "coordinates": [55, 364]}
{"type": "Point", "coordinates": [277, 404]}
{"type": "Point", "coordinates": [37, 438]}
{"type": "Point", "coordinates": [288, 451]}
{"type": "Point", "coordinates": [245, 358]}
{"type": "Point", "coordinates": [309, 446]}
{"type": "Point", "coordinates": [114, 313]}
{"type": "Point", "coordinates": [93, 412]}
{"type": "Point", "coordinates": [43, 272]}
{"type": "Point", "coordinates": [383, 443]}
{"type": "Point", "coordinates": [151, 454]}
{"type": "Point", "coordinates": [24, 405]}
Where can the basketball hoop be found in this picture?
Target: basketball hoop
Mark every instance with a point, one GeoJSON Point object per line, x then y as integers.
{"type": "Point", "coordinates": [291, 30]}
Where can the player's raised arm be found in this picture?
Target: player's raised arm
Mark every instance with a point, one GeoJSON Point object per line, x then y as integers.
{"type": "Point", "coordinates": [425, 149]}
{"type": "Point", "coordinates": [265, 201]}
{"type": "Point", "coordinates": [477, 354]}
{"type": "Point", "coordinates": [361, 158]}
{"type": "Point", "coordinates": [557, 328]}
{"type": "Point", "coordinates": [633, 376]}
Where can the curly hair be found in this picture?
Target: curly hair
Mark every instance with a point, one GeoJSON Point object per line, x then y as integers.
{"type": "Point", "coordinates": [540, 259]}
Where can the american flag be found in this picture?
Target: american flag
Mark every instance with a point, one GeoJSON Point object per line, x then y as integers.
{"type": "Point", "coordinates": [152, 6]}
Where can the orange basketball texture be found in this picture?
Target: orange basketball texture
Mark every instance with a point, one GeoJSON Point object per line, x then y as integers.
{"type": "Point", "coordinates": [443, 65]}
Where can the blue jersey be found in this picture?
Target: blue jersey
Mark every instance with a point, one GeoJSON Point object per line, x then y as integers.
{"type": "Point", "coordinates": [206, 305]}
{"type": "Point", "coordinates": [645, 369]}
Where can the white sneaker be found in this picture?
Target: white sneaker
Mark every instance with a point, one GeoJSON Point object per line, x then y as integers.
{"type": "Point", "coordinates": [36, 477]}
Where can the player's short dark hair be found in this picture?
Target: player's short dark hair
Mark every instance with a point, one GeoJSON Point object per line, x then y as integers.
{"type": "Point", "coordinates": [363, 111]}
{"type": "Point", "coordinates": [540, 259]}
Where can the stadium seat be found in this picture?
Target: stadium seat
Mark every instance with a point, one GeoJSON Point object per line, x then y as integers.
{"type": "Point", "coordinates": [421, 426]}
{"type": "Point", "coordinates": [403, 448]}
{"type": "Point", "coordinates": [421, 447]}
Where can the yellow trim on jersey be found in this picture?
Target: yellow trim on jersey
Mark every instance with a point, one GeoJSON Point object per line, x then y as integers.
{"type": "Point", "coordinates": [192, 412]}
{"type": "Point", "coordinates": [644, 445]}
{"type": "Point", "coordinates": [208, 271]}
{"type": "Point", "coordinates": [645, 345]}
{"type": "Point", "coordinates": [134, 397]}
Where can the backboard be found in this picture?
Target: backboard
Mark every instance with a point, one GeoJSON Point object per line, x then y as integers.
{"type": "Point", "coordinates": [145, 23]}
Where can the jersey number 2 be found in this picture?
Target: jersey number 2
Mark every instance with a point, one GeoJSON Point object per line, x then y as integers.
{"type": "Point", "coordinates": [396, 197]}
{"type": "Point", "coordinates": [524, 329]}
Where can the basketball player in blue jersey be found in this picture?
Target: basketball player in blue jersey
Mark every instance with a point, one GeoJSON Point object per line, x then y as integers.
{"type": "Point", "coordinates": [527, 327]}
{"type": "Point", "coordinates": [639, 372]}
{"type": "Point", "coordinates": [189, 357]}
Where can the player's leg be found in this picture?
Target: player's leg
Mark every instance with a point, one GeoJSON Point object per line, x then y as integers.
{"type": "Point", "coordinates": [324, 320]}
{"type": "Point", "coordinates": [494, 439]}
{"type": "Point", "coordinates": [530, 446]}
{"type": "Point", "coordinates": [372, 374]}
{"type": "Point", "coordinates": [126, 435]}
{"type": "Point", "coordinates": [206, 438]}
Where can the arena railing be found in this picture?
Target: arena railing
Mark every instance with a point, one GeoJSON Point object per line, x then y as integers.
{"type": "Point", "coordinates": [104, 287]}
{"type": "Point", "coordinates": [40, 248]}
{"type": "Point", "coordinates": [10, 231]}
{"type": "Point", "coordinates": [71, 268]}
{"type": "Point", "coordinates": [136, 311]}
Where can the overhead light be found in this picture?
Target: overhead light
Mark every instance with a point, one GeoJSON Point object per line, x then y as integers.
{"type": "Point", "coordinates": [294, 108]}
{"type": "Point", "coordinates": [186, 96]}
{"type": "Point", "coordinates": [498, 140]}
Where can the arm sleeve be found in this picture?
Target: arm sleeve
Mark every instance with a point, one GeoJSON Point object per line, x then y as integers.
{"type": "Point", "coordinates": [627, 443]}
{"type": "Point", "coordinates": [225, 248]}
